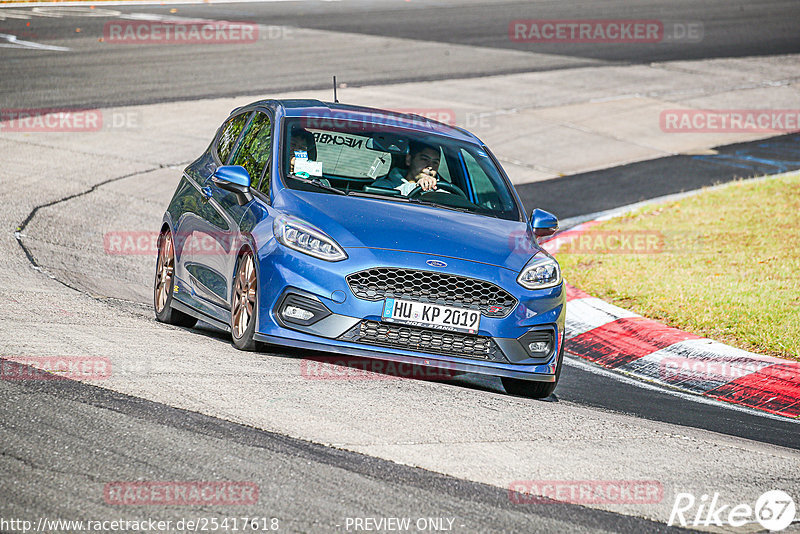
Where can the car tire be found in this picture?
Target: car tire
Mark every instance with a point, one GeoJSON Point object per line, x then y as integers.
{"type": "Point", "coordinates": [244, 304]}
{"type": "Point", "coordinates": [162, 286]}
{"type": "Point", "coordinates": [529, 388]}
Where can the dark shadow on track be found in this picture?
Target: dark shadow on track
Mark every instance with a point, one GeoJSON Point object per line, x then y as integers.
{"type": "Point", "coordinates": [591, 192]}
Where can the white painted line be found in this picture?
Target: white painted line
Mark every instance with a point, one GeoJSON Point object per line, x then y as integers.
{"type": "Point", "coordinates": [580, 363]}
{"type": "Point", "coordinates": [73, 11]}
{"type": "Point", "coordinates": [13, 42]}
{"type": "Point", "coordinates": [13, 14]}
{"type": "Point", "coordinates": [590, 313]}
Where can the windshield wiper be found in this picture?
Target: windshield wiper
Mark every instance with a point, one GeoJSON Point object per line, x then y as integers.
{"type": "Point", "coordinates": [480, 211]}
{"type": "Point", "coordinates": [317, 182]}
{"type": "Point", "coordinates": [378, 195]}
{"type": "Point", "coordinates": [437, 205]}
{"type": "Point", "coordinates": [400, 198]}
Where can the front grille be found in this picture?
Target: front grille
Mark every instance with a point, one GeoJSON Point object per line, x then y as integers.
{"type": "Point", "coordinates": [425, 340]}
{"type": "Point", "coordinates": [425, 286]}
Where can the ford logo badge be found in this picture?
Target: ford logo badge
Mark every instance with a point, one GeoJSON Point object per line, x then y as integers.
{"type": "Point", "coordinates": [436, 263]}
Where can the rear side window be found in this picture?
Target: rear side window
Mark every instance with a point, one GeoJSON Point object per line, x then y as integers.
{"type": "Point", "coordinates": [230, 133]}
{"type": "Point", "coordinates": [254, 150]}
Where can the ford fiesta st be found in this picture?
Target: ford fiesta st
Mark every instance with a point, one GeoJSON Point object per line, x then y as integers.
{"type": "Point", "coordinates": [363, 232]}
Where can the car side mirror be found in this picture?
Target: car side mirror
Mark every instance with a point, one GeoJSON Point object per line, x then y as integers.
{"type": "Point", "coordinates": [543, 223]}
{"type": "Point", "coordinates": [236, 179]}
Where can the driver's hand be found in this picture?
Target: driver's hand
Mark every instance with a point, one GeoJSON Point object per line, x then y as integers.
{"type": "Point", "coordinates": [427, 179]}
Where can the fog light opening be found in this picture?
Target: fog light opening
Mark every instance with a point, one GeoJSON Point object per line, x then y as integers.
{"type": "Point", "coordinates": [294, 312]}
{"type": "Point", "coordinates": [300, 310]}
{"type": "Point", "coordinates": [539, 348]}
{"type": "Point", "coordinates": [538, 343]}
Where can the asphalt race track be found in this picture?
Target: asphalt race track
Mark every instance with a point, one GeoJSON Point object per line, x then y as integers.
{"type": "Point", "coordinates": [326, 484]}
{"type": "Point", "coordinates": [476, 32]}
{"type": "Point", "coordinates": [186, 406]}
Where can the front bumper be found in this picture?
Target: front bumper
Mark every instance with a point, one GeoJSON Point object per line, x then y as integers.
{"type": "Point", "coordinates": [538, 373]}
{"type": "Point", "coordinates": [353, 326]}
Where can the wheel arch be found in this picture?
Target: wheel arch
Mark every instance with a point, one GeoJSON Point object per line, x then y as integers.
{"type": "Point", "coordinates": [166, 225]}
{"type": "Point", "coordinates": [244, 249]}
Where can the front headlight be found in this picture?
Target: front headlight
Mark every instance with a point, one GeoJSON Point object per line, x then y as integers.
{"type": "Point", "coordinates": [301, 236]}
{"type": "Point", "coordinates": [541, 272]}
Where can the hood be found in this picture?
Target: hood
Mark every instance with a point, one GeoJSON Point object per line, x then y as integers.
{"type": "Point", "coordinates": [381, 224]}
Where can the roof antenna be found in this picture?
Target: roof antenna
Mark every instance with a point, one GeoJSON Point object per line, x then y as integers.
{"type": "Point", "coordinates": [336, 100]}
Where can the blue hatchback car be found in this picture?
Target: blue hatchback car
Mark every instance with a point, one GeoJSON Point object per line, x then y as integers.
{"type": "Point", "coordinates": [363, 232]}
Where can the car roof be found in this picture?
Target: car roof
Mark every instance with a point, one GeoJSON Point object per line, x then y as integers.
{"type": "Point", "coordinates": [410, 121]}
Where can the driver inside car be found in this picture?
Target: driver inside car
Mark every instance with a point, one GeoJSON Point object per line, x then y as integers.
{"type": "Point", "coordinates": [301, 141]}
{"type": "Point", "coordinates": [422, 164]}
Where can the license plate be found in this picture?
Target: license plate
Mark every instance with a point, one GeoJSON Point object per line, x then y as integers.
{"type": "Point", "coordinates": [429, 315]}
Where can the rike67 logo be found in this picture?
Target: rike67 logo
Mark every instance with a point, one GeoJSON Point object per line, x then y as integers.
{"type": "Point", "coordinates": [774, 510]}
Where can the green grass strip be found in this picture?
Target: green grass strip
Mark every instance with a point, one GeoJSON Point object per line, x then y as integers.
{"type": "Point", "coordinates": [724, 263]}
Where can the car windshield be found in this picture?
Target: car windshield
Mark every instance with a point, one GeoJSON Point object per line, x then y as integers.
{"type": "Point", "coordinates": [368, 159]}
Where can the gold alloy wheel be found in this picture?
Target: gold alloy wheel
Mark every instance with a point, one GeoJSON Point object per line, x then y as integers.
{"type": "Point", "coordinates": [164, 272]}
{"type": "Point", "coordinates": [244, 296]}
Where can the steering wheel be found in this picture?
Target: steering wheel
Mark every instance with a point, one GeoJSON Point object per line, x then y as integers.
{"type": "Point", "coordinates": [440, 186]}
